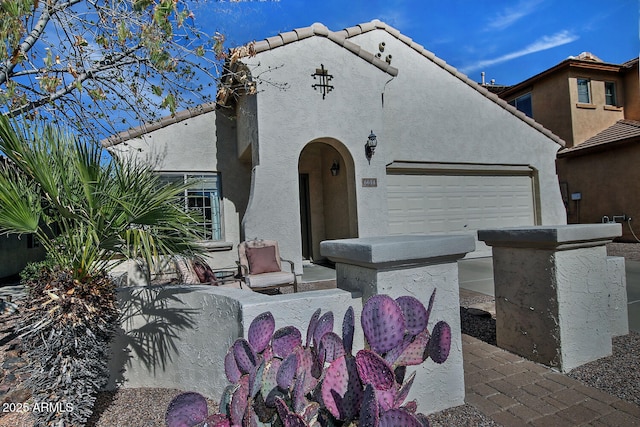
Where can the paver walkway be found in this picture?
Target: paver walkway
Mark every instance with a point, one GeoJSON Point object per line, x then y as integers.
{"type": "Point", "coordinates": [515, 392]}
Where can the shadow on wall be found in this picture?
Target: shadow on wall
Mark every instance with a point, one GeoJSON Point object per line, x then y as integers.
{"type": "Point", "coordinates": [153, 329]}
{"type": "Point", "coordinates": [235, 172]}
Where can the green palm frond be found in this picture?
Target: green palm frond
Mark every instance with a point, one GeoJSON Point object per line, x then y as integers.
{"type": "Point", "coordinates": [101, 209]}
{"type": "Point", "coordinates": [19, 202]}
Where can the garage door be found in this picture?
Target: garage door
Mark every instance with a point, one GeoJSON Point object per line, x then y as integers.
{"type": "Point", "coordinates": [430, 201]}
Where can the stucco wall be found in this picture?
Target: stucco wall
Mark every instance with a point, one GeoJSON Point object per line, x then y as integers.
{"type": "Point", "coordinates": [205, 143]}
{"type": "Point", "coordinates": [422, 114]}
{"type": "Point", "coordinates": [178, 336]}
{"type": "Point", "coordinates": [607, 180]}
{"type": "Point", "coordinates": [591, 119]}
{"type": "Point", "coordinates": [431, 115]}
{"type": "Point", "coordinates": [551, 105]}
{"type": "Point", "coordinates": [632, 93]}
{"type": "Point", "coordinates": [290, 119]}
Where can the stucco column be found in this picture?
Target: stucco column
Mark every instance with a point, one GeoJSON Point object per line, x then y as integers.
{"type": "Point", "coordinates": [412, 265]}
{"type": "Point", "coordinates": [551, 289]}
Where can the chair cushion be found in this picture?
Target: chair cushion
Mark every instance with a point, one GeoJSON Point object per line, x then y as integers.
{"type": "Point", "coordinates": [203, 271]}
{"type": "Point", "coordinates": [270, 279]}
{"type": "Point", "coordinates": [262, 260]}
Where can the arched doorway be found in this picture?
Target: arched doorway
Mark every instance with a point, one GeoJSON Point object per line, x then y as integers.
{"type": "Point", "coordinates": [327, 195]}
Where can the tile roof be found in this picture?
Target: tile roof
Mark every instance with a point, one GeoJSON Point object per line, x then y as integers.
{"type": "Point", "coordinates": [623, 131]}
{"type": "Point", "coordinates": [158, 124]}
{"type": "Point", "coordinates": [342, 38]}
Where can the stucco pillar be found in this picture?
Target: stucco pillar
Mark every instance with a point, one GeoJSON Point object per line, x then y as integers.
{"type": "Point", "coordinates": [412, 265]}
{"type": "Point", "coordinates": [552, 291]}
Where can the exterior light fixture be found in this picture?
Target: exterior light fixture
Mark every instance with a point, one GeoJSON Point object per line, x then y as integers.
{"type": "Point", "coordinates": [335, 168]}
{"type": "Point", "coordinates": [370, 146]}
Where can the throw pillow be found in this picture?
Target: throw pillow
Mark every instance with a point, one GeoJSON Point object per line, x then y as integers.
{"type": "Point", "coordinates": [204, 272]}
{"type": "Point", "coordinates": [262, 260]}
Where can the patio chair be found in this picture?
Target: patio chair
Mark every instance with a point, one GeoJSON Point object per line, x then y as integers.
{"type": "Point", "coordinates": [261, 266]}
{"type": "Point", "coordinates": [196, 271]}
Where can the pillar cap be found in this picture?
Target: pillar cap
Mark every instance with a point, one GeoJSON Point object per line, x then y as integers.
{"type": "Point", "coordinates": [397, 250]}
{"type": "Point", "coordinates": [551, 235]}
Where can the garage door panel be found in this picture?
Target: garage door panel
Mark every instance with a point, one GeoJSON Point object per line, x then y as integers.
{"type": "Point", "coordinates": [432, 204]}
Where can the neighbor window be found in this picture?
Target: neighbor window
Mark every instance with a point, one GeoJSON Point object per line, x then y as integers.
{"type": "Point", "coordinates": [610, 94]}
{"type": "Point", "coordinates": [584, 92]}
{"type": "Point", "coordinates": [523, 103]}
{"type": "Point", "coordinates": [202, 197]}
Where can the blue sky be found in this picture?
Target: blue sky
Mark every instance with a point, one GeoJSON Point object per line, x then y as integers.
{"type": "Point", "coordinates": [510, 40]}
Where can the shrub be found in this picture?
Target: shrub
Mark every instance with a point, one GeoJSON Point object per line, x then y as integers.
{"type": "Point", "coordinates": [278, 380]}
{"type": "Point", "coordinates": [67, 326]}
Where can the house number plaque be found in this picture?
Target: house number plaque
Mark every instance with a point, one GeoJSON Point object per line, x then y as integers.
{"type": "Point", "coordinates": [369, 182]}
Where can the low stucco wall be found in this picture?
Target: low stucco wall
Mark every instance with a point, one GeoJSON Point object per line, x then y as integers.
{"type": "Point", "coordinates": [178, 336]}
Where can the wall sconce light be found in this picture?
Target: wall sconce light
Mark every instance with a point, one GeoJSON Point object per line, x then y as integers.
{"type": "Point", "coordinates": [335, 168]}
{"type": "Point", "coordinates": [370, 146]}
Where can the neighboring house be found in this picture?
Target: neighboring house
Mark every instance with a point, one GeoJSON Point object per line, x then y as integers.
{"type": "Point", "coordinates": [595, 107]}
{"type": "Point", "coordinates": [289, 163]}
{"type": "Point", "coordinates": [16, 251]}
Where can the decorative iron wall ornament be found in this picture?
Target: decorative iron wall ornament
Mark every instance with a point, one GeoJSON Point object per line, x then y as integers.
{"type": "Point", "coordinates": [325, 78]}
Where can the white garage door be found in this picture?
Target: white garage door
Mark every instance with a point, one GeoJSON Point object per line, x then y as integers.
{"type": "Point", "coordinates": [456, 203]}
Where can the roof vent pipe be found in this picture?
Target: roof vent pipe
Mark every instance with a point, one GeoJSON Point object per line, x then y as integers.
{"type": "Point", "coordinates": [482, 74]}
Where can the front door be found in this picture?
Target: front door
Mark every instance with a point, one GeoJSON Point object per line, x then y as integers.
{"type": "Point", "coordinates": [305, 216]}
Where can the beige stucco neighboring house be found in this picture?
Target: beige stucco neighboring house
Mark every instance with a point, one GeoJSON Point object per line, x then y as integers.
{"type": "Point", "coordinates": [595, 107]}
{"type": "Point", "coordinates": [289, 163]}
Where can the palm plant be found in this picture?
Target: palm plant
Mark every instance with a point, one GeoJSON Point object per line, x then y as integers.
{"type": "Point", "coordinates": [90, 212]}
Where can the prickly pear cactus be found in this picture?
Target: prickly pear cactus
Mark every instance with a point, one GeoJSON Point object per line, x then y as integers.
{"type": "Point", "coordinates": [186, 409]}
{"type": "Point", "coordinates": [383, 323]}
{"type": "Point", "coordinates": [279, 380]}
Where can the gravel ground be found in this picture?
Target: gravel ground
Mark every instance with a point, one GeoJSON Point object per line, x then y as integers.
{"type": "Point", "coordinates": [618, 375]}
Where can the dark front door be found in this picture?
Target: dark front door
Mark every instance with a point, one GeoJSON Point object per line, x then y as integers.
{"type": "Point", "coordinates": [305, 216]}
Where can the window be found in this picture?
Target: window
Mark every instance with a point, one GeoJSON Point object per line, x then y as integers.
{"type": "Point", "coordinates": [523, 103]}
{"type": "Point", "coordinates": [584, 91]}
{"type": "Point", "coordinates": [610, 94]}
{"type": "Point", "coordinates": [203, 198]}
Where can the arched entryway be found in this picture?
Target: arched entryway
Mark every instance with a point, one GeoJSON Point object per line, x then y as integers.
{"type": "Point", "coordinates": [327, 195]}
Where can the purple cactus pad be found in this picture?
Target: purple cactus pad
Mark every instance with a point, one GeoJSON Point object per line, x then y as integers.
{"type": "Point", "coordinates": [348, 324]}
{"type": "Point", "coordinates": [260, 331]}
{"type": "Point", "coordinates": [431, 300]}
{"type": "Point", "coordinates": [287, 372]}
{"type": "Point", "coordinates": [416, 352]}
{"type": "Point", "coordinates": [369, 409]}
{"type": "Point", "coordinates": [403, 391]}
{"type": "Point", "coordinates": [330, 348]}
{"type": "Point", "coordinates": [186, 409]}
{"type": "Point", "coordinates": [411, 407]}
{"type": "Point", "coordinates": [246, 358]}
{"type": "Point", "coordinates": [374, 370]}
{"type": "Point", "coordinates": [269, 376]}
{"type": "Point", "coordinates": [386, 399]}
{"type": "Point", "coordinates": [231, 367]}
{"type": "Point", "coordinates": [285, 340]}
{"type": "Point", "coordinates": [341, 389]}
{"type": "Point", "coordinates": [440, 342]}
{"type": "Point", "coordinates": [382, 323]}
{"type": "Point", "coordinates": [239, 401]}
{"type": "Point", "coordinates": [313, 323]}
{"type": "Point", "coordinates": [218, 420]}
{"type": "Point", "coordinates": [255, 380]}
{"type": "Point", "coordinates": [325, 325]}
{"type": "Point", "coordinates": [399, 417]}
{"type": "Point", "coordinates": [415, 315]}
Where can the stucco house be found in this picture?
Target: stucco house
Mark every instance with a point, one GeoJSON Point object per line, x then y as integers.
{"type": "Point", "coordinates": [289, 162]}
{"type": "Point", "coordinates": [595, 107]}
